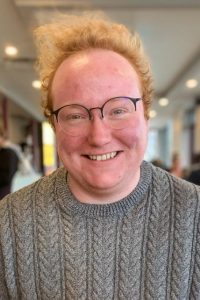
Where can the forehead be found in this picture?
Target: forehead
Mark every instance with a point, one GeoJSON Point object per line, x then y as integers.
{"type": "Point", "coordinates": [97, 68]}
{"type": "Point", "coordinates": [98, 59]}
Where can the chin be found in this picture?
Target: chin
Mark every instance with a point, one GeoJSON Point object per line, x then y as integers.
{"type": "Point", "coordinates": [104, 183]}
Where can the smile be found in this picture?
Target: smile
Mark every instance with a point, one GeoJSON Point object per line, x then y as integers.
{"type": "Point", "coordinates": [103, 156]}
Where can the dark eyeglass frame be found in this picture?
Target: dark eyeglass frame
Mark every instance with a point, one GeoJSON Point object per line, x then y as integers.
{"type": "Point", "coordinates": [134, 100]}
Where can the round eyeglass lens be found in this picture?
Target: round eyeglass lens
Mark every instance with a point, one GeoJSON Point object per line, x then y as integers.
{"type": "Point", "coordinates": [73, 119]}
{"type": "Point", "coordinates": [118, 112]}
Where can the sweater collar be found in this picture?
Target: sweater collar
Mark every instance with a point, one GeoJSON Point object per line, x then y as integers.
{"type": "Point", "coordinates": [68, 202]}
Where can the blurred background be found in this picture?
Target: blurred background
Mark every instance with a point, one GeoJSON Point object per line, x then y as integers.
{"type": "Point", "coordinates": [170, 31]}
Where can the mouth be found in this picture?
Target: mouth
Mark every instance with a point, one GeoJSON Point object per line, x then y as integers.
{"type": "Point", "coordinates": [103, 157]}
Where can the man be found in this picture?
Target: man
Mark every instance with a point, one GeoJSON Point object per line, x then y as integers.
{"type": "Point", "coordinates": [107, 225]}
{"type": "Point", "coordinates": [8, 165]}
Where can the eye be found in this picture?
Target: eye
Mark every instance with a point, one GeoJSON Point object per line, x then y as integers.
{"type": "Point", "coordinates": [74, 117]}
{"type": "Point", "coordinates": [118, 112]}
{"type": "Point", "coordinates": [73, 114]}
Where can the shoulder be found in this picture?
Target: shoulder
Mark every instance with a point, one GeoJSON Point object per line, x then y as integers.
{"type": "Point", "coordinates": [42, 188]}
{"type": "Point", "coordinates": [178, 188]}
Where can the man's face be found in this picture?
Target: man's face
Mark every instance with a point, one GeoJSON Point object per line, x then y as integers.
{"type": "Point", "coordinates": [89, 78]}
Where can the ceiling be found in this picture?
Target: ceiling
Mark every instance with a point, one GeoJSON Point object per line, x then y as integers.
{"type": "Point", "coordinates": [170, 31]}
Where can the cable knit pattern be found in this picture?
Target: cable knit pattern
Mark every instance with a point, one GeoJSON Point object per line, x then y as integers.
{"type": "Point", "coordinates": [24, 246]}
{"type": "Point", "coordinates": [143, 247]}
{"type": "Point", "coordinates": [47, 244]}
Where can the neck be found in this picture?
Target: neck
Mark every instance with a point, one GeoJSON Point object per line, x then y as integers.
{"type": "Point", "coordinates": [92, 195]}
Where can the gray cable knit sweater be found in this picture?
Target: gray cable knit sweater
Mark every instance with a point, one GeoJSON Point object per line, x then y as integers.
{"type": "Point", "coordinates": [146, 246]}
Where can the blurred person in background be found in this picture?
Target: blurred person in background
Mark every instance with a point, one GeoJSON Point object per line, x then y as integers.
{"type": "Point", "coordinates": [106, 225]}
{"type": "Point", "coordinates": [8, 164]}
{"type": "Point", "coordinates": [159, 163]}
{"type": "Point", "coordinates": [176, 168]}
{"type": "Point", "coordinates": [194, 171]}
{"type": "Point", "coordinates": [26, 167]}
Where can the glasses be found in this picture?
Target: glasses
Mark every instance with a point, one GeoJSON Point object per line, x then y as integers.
{"type": "Point", "coordinates": [116, 113]}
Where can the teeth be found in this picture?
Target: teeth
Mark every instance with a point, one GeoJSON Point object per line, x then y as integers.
{"type": "Point", "coordinates": [103, 156]}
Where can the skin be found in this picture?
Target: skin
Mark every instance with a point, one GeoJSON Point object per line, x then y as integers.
{"type": "Point", "coordinates": [90, 78]}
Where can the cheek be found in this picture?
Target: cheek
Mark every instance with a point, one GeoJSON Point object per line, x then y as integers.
{"type": "Point", "coordinates": [135, 136]}
{"type": "Point", "coordinates": [67, 144]}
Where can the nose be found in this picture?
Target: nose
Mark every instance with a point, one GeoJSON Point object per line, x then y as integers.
{"type": "Point", "coordinates": [99, 133]}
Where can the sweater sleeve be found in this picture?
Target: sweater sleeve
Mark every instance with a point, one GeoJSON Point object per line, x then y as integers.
{"type": "Point", "coordinates": [195, 286]}
{"type": "Point", "coordinates": [3, 288]}
{"type": "Point", "coordinates": [6, 251]}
